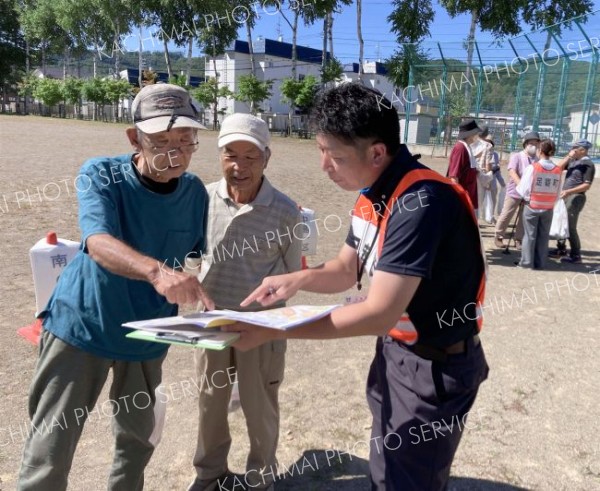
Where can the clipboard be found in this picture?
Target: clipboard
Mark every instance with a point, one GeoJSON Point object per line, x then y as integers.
{"type": "Point", "coordinates": [214, 340]}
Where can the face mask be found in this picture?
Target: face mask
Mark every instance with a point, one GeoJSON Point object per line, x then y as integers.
{"type": "Point", "coordinates": [531, 150]}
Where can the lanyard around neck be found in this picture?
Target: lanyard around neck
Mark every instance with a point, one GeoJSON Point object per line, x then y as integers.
{"type": "Point", "coordinates": [360, 267]}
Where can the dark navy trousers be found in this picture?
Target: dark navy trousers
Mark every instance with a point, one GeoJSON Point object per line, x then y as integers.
{"type": "Point", "coordinates": [420, 409]}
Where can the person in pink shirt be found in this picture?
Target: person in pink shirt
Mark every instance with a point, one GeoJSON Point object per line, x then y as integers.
{"type": "Point", "coordinates": [462, 166]}
{"type": "Point", "coordinates": [516, 167]}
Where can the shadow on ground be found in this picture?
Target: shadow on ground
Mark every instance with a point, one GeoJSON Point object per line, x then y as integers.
{"type": "Point", "coordinates": [333, 470]}
{"type": "Point", "coordinates": [591, 261]}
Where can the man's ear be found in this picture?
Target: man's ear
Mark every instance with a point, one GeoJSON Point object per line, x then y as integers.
{"type": "Point", "coordinates": [267, 156]}
{"type": "Point", "coordinates": [378, 154]}
{"type": "Point", "coordinates": [132, 134]}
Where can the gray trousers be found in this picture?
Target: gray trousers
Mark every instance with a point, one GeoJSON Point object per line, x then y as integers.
{"type": "Point", "coordinates": [64, 391]}
{"type": "Point", "coordinates": [534, 252]}
{"type": "Point", "coordinates": [574, 203]}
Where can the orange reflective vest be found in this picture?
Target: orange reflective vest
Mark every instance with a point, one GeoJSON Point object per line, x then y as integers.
{"type": "Point", "coordinates": [367, 228]}
{"type": "Point", "coordinates": [545, 187]}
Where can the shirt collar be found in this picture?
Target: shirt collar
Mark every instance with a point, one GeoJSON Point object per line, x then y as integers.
{"type": "Point", "coordinates": [386, 183]}
{"type": "Point", "coordinates": [263, 198]}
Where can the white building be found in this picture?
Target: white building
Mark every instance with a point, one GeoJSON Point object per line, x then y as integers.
{"type": "Point", "coordinates": [593, 128]}
{"type": "Point", "coordinates": [374, 75]}
{"type": "Point", "coordinates": [273, 61]}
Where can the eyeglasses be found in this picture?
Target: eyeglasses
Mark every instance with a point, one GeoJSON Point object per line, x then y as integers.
{"type": "Point", "coordinates": [166, 149]}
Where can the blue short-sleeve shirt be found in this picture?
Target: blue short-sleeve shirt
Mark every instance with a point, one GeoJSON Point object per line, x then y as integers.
{"type": "Point", "coordinates": [90, 303]}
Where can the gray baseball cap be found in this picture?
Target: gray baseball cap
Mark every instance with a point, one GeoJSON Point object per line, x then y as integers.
{"type": "Point", "coordinates": [160, 107]}
{"type": "Point", "coordinates": [582, 144]}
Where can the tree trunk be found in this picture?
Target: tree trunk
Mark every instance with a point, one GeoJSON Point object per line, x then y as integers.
{"type": "Point", "coordinates": [324, 51]}
{"type": "Point", "coordinates": [294, 42]}
{"type": "Point", "coordinates": [294, 63]}
{"type": "Point", "coordinates": [470, 49]}
{"type": "Point", "coordinates": [188, 67]}
{"type": "Point", "coordinates": [95, 71]}
{"type": "Point", "coordinates": [167, 59]}
{"type": "Point", "coordinates": [65, 61]}
{"type": "Point", "coordinates": [361, 43]}
{"type": "Point", "coordinates": [250, 49]}
{"type": "Point", "coordinates": [330, 15]}
{"type": "Point", "coordinates": [116, 51]}
{"type": "Point", "coordinates": [44, 59]}
{"type": "Point", "coordinates": [548, 41]}
{"type": "Point", "coordinates": [27, 69]}
{"type": "Point", "coordinates": [140, 60]}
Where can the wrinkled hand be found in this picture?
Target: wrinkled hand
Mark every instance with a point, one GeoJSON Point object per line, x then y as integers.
{"type": "Point", "coordinates": [251, 336]}
{"type": "Point", "coordinates": [273, 289]}
{"type": "Point", "coordinates": [181, 288]}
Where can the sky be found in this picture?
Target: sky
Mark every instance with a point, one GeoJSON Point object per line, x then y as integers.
{"type": "Point", "coordinates": [380, 41]}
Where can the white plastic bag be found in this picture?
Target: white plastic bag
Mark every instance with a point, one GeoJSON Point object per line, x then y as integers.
{"type": "Point", "coordinates": [560, 221]}
{"type": "Point", "coordinates": [160, 410]}
{"type": "Point", "coordinates": [310, 232]}
{"type": "Point", "coordinates": [488, 206]}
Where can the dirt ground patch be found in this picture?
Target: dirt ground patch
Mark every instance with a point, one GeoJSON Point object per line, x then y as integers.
{"type": "Point", "coordinates": [534, 424]}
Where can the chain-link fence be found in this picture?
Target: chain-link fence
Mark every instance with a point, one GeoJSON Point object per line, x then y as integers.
{"type": "Point", "coordinates": [546, 81]}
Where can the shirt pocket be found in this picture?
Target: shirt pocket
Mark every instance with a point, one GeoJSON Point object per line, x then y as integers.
{"type": "Point", "coordinates": [266, 248]}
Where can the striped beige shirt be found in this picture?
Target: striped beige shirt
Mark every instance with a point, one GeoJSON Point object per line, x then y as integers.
{"type": "Point", "coordinates": [248, 243]}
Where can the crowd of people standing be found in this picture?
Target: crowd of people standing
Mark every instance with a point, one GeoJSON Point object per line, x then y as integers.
{"type": "Point", "coordinates": [525, 204]}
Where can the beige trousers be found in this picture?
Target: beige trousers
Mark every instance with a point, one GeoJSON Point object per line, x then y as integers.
{"type": "Point", "coordinates": [259, 375]}
{"type": "Point", "coordinates": [511, 205]}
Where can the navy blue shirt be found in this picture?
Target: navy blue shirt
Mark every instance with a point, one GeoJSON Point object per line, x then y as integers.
{"type": "Point", "coordinates": [579, 172]}
{"type": "Point", "coordinates": [430, 234]}
{"type": "Point", "coordinates": [90, 303]}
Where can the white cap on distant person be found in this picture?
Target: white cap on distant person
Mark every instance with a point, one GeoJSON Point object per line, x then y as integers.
{"type": "Point", "coordinates": [244, 127]}
{"type": "Point", "coordinates": [160, 107]}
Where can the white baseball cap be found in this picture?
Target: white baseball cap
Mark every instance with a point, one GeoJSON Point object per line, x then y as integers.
{"type": "Point", "coordinates": [244, 127]}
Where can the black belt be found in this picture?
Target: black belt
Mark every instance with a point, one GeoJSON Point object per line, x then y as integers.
{"type": "Point", "coordinates": [433, 353]}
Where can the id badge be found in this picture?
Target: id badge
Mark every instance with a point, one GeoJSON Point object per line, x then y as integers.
{"type": "Point", "coordinates": [350, 299]}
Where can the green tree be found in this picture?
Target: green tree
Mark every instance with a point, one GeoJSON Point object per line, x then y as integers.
{"type": "Point", "coordinates": [332, 71]}
{"type": "Point", "coordinates": [94, 90]}
{"type": "Point", "coordinates": [410, 21]}
{"type": "Point", "coordinates": [12, 48]}
{"type": "Point", "coordinates": [308, 92]}
{"type": "Point", "coordinates": [116, 90]}
{"type": "Point", "coordinates": [209, 93]}
{"type": "Point", "coordinates": [499, 18]}
{"type": "Point", "coordinates": [253, 92]}
{"type": "Point", "coordinates": [41, 29]}
{"type": "Point", "coordinates": [49, 92]}
{"type": "Point", "coordinates": [179, 80]}
{"type": "Point", "coordinates": [300, 94]}
{"type": "Point", "coordinates": [27, 85]}
{"type": "Point", "coordinates": [71, 89]}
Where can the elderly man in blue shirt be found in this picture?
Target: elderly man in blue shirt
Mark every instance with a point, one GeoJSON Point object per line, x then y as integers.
{"type": "Point", "coordinates": [139, 216]}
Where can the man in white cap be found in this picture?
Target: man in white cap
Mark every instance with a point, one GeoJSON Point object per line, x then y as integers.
{"type": "Point", "coordinates": [141, 216]}
{"type": "Point", "coordinates": [250, 235]}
